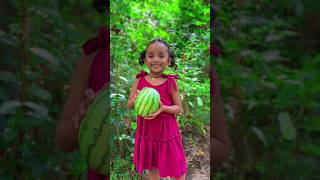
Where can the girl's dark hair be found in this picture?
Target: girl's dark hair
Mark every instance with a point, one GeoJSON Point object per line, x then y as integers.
{"type": "Point", "coordinates": [171, 55]}
{"type": "Point", "coordinates": [101, 5]}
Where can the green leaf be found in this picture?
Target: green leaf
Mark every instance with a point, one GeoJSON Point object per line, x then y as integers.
{"type": "Point", "coordinates": [9, 107]}
{"type": "Point", "coordinates": [7, 39]}
{"type": "Point", "coordinates": [124, 79]}
{"type": "Point", "coordinates": [260, 135]}
{"type": "Point", "coordinates": [45, 55]}
{"type": "Point", "coordinates": [40, 93]}
{"type": "Point", "coordinates": [199, 101]}
{"type": "Point", "coordinates": [133, 126]}
{"type": "Point", "coordinates": [122, 97]}
{"type": "Point", "coordinates": [40, 110]}
{"type": "Point", "coordinates": [287, 127]}
{"type": "Point", "coordinates": [8, 77]}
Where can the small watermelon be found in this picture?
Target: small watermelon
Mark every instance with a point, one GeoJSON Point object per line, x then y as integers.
{"type": "Point", "coordinates": [147, 102]}
{"type": "Point", "coordinates": [94, 134]}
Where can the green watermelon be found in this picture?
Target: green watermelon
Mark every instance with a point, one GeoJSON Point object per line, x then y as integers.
{"type": "Point", "coordinates": [94, 133]}
{"type": "Point", "coordinates": [147, 102]}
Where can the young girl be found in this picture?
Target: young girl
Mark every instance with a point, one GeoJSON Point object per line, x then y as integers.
{"type": "Point", "coordinates": [90, 75]}
{"type": "Point", "coordinates": [158, 143]}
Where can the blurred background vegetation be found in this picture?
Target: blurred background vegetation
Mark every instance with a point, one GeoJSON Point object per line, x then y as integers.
{"type": "Point", "coordinates": [185, 27]}
{"type": "Point", "coordinates": [40, 42]}
{"type": "Point", "coordinates": [269, 78]}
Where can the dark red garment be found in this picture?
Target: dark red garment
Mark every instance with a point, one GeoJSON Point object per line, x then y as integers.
{"type": "Point", "coordinates": [215, 50]}
{"type": "Point", "coordinates": [99, 74]}
{"type": "Point", "coordinates": [100, 68]}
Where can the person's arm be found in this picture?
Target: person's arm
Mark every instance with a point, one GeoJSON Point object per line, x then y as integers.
{"type": "Point", "coordinates": [176, 108]}
{"type": "Point", "coordinates": [66, 135]}
{"type": "Point", "coordinates": [133, 94]}
{"type": "Point", "coordinates": [219, 139]}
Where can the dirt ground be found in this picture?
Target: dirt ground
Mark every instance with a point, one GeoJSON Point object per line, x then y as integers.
{"type": "Point", "coordinates": [197, 153]}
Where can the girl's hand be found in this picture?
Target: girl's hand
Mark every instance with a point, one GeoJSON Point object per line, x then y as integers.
{"type": "Point", "coordinates": [152, 116]}
{"type": "Point", "coordinates": [78, 116]}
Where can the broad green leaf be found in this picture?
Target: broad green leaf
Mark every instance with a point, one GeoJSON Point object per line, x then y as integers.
{"type": "Point", "coordinates": [7, 39]}
{"type": "Point", "coordinates": [40, 110]}
{"type": "Point", "coordinates": [133, 125]}
{"type": "Point", "coordinates": [287, 127]}
{"type": "Point", "coordinates": [124, 79]}
{"type": "Point", "coordinates": [8, 77]}
{"type": "Point", "coordinates": [261, 136]}
{"type": "Point", "coordinates": [40, 92]}
{"type": "Point", "coordinates": [45, 55]}
{"type": "Point", "coordinates": [190, 104]}
{"type": "Point", "coordinates": [9, 107]}
{"type": "Point", "coordinates": [199, 101]}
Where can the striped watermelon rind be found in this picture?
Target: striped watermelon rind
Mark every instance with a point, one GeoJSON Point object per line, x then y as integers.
{"type": "Point", "coordinates": [147, 102]}
{"type": "Point", "coordinates": [94, 133]}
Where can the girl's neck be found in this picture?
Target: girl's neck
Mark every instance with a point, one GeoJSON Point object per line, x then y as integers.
{"type": "Point", "coordinates": [152, 74]}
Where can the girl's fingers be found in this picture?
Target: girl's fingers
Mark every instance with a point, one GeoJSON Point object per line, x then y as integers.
{"type": "Point", "coordinates": [82, 112]}
{"type": "Point", "coordinates": [82, 106]}
{"type": "Point", "coordinates": [90, 95]}
{"type": "Point", "coordinates": [151, 116]}
{"type": "Point", "coordinates": [89, 92]}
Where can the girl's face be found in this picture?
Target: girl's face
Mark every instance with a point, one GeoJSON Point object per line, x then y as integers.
{"type": "Point", "coordinates": [157, 57]}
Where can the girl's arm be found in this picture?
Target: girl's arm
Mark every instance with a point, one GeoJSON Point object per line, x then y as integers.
{"type": "Point", "coordinates": [133, 94]}
{"type": "Point", "coordinates": [219, 139]}
{"type": "Point", "coordinates": [176, 108]}
{"type": "Point", "coordinates": [65, 134]}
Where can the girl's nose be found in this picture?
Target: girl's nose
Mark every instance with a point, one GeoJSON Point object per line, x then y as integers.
{"type": "Point", "coordinates": [155, 59]}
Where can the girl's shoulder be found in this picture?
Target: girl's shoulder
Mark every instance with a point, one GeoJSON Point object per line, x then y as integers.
{"type": "Point", "coordinates": [97, 42]}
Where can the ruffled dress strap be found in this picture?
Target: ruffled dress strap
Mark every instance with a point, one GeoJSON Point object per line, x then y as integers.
{"type": "Point", "coordinates": [142, 73]}
{"type": "Point", "coordinates": [95, 43]}
{"type": "Point", "coordinates": [100, 67]}
{"type": "Point", "coordinates": [172, 81]}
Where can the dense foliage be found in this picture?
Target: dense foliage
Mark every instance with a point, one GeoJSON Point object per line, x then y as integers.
{"type": "Point", "coordinates": [269, 77]}
{"type": "Point", "coordinates": [40, 42]}
{"type": "Point", "coordinates": [185, 27]}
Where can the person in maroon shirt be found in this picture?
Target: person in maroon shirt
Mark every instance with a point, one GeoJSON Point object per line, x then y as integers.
{"type": "Point", "coordinates": [219, 139]}
{"type": "Point", "coordinates": [91, 74]}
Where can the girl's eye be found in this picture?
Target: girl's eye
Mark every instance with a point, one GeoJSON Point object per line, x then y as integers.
{"type": "Point", "coordinates": [150, 56]}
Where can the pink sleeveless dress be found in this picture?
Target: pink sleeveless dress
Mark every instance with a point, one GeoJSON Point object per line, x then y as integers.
{"type": "Point", "coordinates": [99, 74]}
{"type": "Point", "coordinates": [158, 142]}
